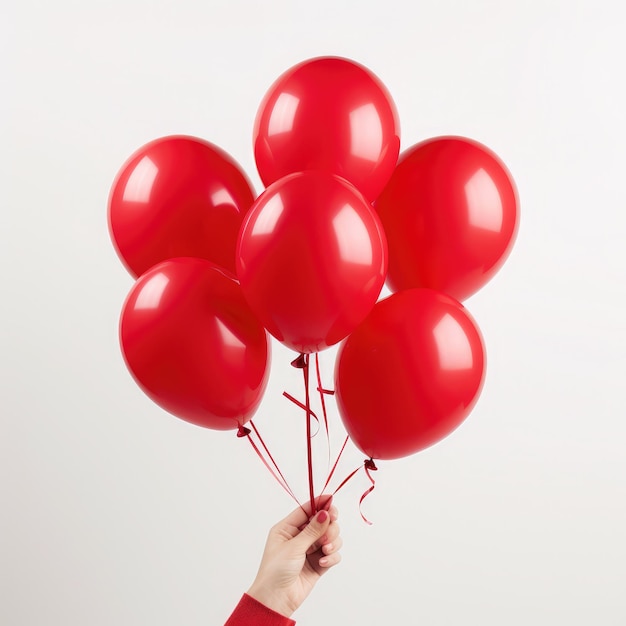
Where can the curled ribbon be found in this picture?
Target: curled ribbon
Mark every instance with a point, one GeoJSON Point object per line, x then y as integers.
{"type": "Point", "coordinates": [303, 407]}
{"type": "Point", "coordinates": [302, 362]}
{"type": "Point", "coordinates": [369, 466]}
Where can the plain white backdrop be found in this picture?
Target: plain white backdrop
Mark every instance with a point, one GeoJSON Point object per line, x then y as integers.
{"type": "Point", "coordinates": [114, 512]}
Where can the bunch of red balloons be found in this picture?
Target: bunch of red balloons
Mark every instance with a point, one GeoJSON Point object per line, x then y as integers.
{"type": "Point", "coordinates": [341, 214]}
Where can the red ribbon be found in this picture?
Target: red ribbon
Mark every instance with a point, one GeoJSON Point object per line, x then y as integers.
{"type": "Point", "coordinates": [322, 393]}
{"type": "Point", "coordinates": [303, 407]}
{"type": "Point", "coordinates": [369, 466]}
{"type": "Point", "coordinates": [332, 471]}
{"type": "Point", "coordinates": [302, 362]}
{"type": "Point", "coordinates": [309, 450]}
{"type": "Point", "coordinates": [276, 473]}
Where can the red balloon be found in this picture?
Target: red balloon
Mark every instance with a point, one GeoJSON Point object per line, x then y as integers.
{"type": "Point", "coordinates": [329, 114]}
{"type": "Point", "coordinates": [192, 344]}
{"type": "Point", "coordinates": [450, 213]}
{"type": "Point", "coordinates": [409, 374]}
{"type": "Point", "coordinates": [311, 259]}
{"type": "Point", "coordinates": [178, 196]}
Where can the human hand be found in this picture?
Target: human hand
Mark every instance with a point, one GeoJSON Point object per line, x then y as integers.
{"type": "Point", "coordinates": [298, 551]}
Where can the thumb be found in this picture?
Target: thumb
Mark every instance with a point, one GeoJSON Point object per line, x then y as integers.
{"type": "Point", "coordinates": [312, 532]}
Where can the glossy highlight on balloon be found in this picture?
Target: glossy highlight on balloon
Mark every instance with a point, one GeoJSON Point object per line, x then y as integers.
{"type": "Point", "coordinates": [450, 213]}
{"type": "Point", "coordinates": [312, 259]}
{"type": "Point", "coordinates": [409, 374]}
{"type": "Point", "coordinates": [331, 114]}
{"type": "Point", "coordinates": [178, 196]}
{"type": "Point", "coordinates": [192, 344]}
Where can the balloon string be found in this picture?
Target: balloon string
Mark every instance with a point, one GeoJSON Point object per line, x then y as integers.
{"type": "Point", "coordinates": [269, 454]}
{"type": "Point", "coordinates": [278, 477]}
{"type": "Point", "coordinates": [322, 393]}
{"type": "Point", "coordinates": [347, 478]}
{"type": "Point", "coordinates": [302, 362]}
{"type": "Point", "coordinates": [332, 471]}
{"type": "Point", "coordinates": [303, 407]}
{"type": "Point", "coordinates": [309, 450]}
{"type": "Point", "coordinates": [369, 466]}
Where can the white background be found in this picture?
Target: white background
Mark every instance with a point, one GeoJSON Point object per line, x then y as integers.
{"type": "Point", "coordinates": [114, 512]}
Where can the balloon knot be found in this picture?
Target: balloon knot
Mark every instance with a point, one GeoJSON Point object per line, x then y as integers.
{"type": "Point", "coordinates": [299, 362]}
{"type": "Point", "coordinates": [370, 465]}
{"type": "Point", "coordinates": [243, 431]}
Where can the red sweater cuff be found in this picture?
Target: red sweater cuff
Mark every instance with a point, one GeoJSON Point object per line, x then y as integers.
{"type": "Point", "coordinates": [250, 612]}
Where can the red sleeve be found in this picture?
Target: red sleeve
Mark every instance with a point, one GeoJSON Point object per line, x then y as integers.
{"type": "Point", "coordinates": [250, 612]}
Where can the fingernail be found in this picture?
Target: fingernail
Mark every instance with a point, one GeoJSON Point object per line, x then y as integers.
{"type": "Point", "coordinates": [322, 516]}
{"type": "Point", "coordinates": [323, 561]}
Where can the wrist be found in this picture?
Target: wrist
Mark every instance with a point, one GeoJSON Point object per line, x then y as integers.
{"type": "Point", "coordinates": [275, 601]}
